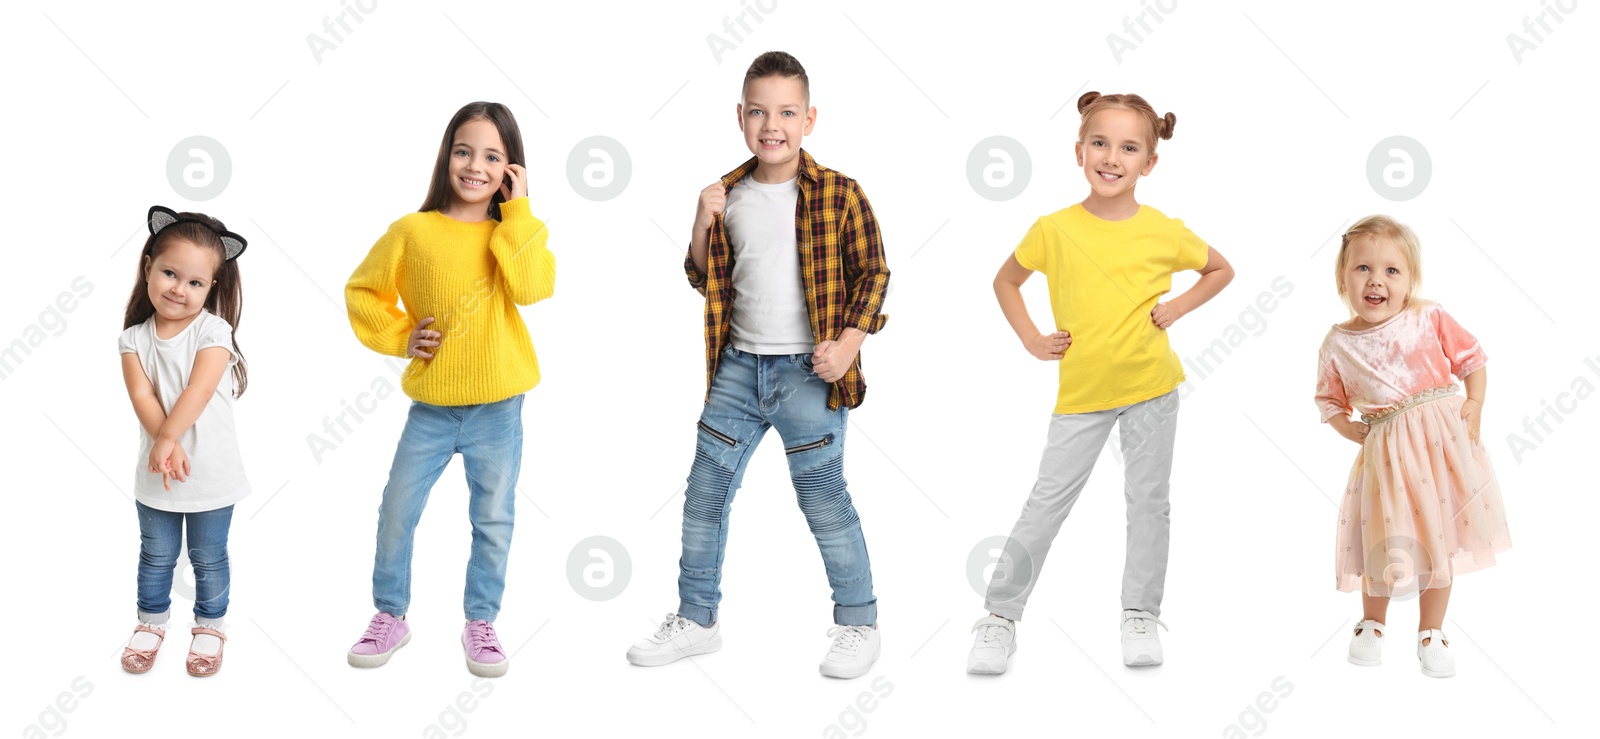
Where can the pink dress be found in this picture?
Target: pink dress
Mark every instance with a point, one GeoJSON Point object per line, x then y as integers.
{"type": "Point", "coordinates": [1422, 504]}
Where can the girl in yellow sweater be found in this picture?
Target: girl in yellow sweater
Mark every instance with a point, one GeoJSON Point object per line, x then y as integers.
{"type": "Point", "coordinates": [460, 266]}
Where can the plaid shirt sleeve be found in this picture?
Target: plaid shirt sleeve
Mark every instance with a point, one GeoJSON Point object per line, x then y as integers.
{"type": "Point", "coordinates": [865, 267]}
{"type": "Point", "coordinates": [697, 278]}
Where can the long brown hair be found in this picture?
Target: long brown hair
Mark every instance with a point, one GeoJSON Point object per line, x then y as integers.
{"type": "Point", "coordinates": [225, 299]}
{"type": "Point", "coordinates": [439, 190]}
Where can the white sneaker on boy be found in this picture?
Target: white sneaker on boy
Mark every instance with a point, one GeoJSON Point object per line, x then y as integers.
{"type": "Point", "coordinates": [676, 638]}
{"type": "Point", "coordinates": [854, 650]}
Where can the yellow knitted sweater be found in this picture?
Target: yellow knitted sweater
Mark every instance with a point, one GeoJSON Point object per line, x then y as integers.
{"type": "Point", "coordinates": [470, 277]}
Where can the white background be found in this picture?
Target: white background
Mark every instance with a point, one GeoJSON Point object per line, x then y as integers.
{"type": "Point", "coordinates": [1278, 110]}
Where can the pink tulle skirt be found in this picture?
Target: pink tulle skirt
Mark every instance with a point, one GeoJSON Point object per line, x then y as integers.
{"type": "Point", "coordinates": [1422, 504]}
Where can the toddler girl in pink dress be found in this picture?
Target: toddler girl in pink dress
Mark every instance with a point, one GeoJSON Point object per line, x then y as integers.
{"type": "Point", "coordinates": [1422, 504]}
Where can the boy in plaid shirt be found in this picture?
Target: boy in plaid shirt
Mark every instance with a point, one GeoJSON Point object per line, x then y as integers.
{"type": "Point", "coordinates": [790, 260]}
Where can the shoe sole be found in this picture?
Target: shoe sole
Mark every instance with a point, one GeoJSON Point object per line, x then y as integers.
{"type": "Point", "coordinates": [666, 658]}
{"type": "Point", "coordinates": [990, 668]}
{"type": "Point", "coordinates": [1436, 673]}
{"type": "Point", "coordinates": [487, 669]}
{"type": "Point", "coordinates": [376, 660]}
{"type": "Point", "coordinates": [1142, 659]}
{"type": "Point", "coordinates": [1366, 662]}
{"type": "Point", "coordinates": [845, 672]}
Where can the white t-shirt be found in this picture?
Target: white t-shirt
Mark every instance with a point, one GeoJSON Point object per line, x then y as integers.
{"type": "Point", "coordinates": [769, 304]}
{"type": "Point", "coordinates": [216, 478]}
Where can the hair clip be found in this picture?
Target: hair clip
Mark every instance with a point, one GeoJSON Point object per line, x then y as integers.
{"type": "Point", "coordinates": [232, 244]}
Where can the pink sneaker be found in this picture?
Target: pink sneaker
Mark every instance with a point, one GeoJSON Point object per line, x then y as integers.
{"type": "Point", "coordinates": [485, 658]}
{"type": "Point", "coordinates": [385, 635]}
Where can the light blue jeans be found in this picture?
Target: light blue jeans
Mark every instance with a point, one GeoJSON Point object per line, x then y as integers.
{"type": "Point", "coordinates": [489, 439]}
{"type": "Point", "coordinates": [751, 393]}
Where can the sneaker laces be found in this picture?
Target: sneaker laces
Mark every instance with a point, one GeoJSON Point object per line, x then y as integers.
{"type": "Point", "coordinates": [481, 637]}
{"type": "Point", "coordinates": [377, 629]}
{"type": "Point", "coordinates": [1141, 625]}
{"type": "Point", "coordinates": [671, 627]}
{"type": "Point", "coordinates": [847, 639]}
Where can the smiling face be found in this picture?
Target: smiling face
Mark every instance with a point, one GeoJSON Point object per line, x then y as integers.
{"type": "Point", "coordinates": [180, 279]}
{"type": "Point", "coordinates": [477, 165]}
{"type": "Point", "coordinates": [1376, 281]}
{"type": "Point", "coordinates": [774, 117]}
{"type": "Point", "coordinates": [1115, 152]}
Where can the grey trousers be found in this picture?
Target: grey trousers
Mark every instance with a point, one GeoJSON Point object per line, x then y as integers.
{"type": "Point", "coordinates": [1147, 429]}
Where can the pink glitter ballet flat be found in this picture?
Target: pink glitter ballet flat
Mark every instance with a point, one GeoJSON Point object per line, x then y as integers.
{"type": "Point", "coordinates": [140, 660]}
{"type": "Point", "coordinates": [204, 665]}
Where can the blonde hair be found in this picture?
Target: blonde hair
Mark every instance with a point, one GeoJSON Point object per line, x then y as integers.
{"type": "Point", "coordinates": [1093, 102]}
{"type": "Point", "coordinates": [1400, 235]}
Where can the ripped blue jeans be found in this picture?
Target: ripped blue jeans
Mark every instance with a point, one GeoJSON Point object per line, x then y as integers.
{"type": "Point", "coordinates": [749, 394]}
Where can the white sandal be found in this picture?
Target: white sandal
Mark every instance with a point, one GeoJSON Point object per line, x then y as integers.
{"type": "Point", "coordinates": [1437, 661]}
{"type": "Point", "coordinates": [1366, 647]}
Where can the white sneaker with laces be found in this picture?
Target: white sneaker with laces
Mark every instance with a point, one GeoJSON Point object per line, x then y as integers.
{"type": "Point", "coordinates": [995, 643]}
{"type": "Point", "coordinates": [1366, 647]}
{"type": "Point", "coordinates": [1141, 645]}
{"type": "Point", "coordinates": [676, 638]}
{"type": "Point", "coordinates": [854, 650]}
{"type": "Point", "coordinates": [1437, 661]}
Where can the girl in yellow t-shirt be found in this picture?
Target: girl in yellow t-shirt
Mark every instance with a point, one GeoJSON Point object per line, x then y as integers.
{"type": "Point", "coordinates": [1108, 260]}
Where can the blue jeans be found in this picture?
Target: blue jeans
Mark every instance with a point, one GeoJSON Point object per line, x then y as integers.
{"type": "Point", "coordinates": [489, 439]}
{"type": "Point", "coordinates": [751, 393]}
{"type": "Point", "coordinates": [160, 539]}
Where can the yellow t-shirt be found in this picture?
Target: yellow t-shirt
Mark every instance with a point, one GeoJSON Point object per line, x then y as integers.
{"type": "Point", "coordinates": [1105, 277]}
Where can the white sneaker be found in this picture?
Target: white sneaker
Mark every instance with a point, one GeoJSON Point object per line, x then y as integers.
{"type": "Point", "coordinates": [854, 650]}
{"type": "Point", "coordinates": [1140, 643]}
{"type": "Point", "coordinates": [678, 637]}
{"type": "Point", "coordinates": [995, 643]}
{"type": "Point", "coordinates": [1366, 647]}
{"type": "Point", "coordinates": [1437, 661]}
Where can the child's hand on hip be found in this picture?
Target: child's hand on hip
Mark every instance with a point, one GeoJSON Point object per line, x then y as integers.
{"type": "Point", "coordinates": [1050, 347]}
{"type": "Point", "coordinates": [422, 340]}
{"type": "Point", "coordinates": [1472, 413]}
{"type": "Point", "coordinates": [713, 200]}
{"type": "Point", "coordinates": [1355, 431]}
{"type": "Point", "coordinates": [1163, 315]}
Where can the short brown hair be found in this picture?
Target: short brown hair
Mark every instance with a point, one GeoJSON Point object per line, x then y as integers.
{"type": "Point", "coordinates": [777, 64]}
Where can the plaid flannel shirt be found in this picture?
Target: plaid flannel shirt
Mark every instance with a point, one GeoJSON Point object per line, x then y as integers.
{"type": "Point", "coordinates": [842, 269]}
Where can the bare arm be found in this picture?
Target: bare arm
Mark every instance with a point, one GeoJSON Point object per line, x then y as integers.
{"type": "Point", "coordinates": [145, 403]}
{"type": "Point", "coordinates": [1477, 384]}
{"type": "Point", "coordinates": [209, 366]}
{"type": "Point", "coordinates": [1472, 409]}
{"type": "Point", "coordinates": [1008, 290]}
{"type": "Point", "coordinates": [1214, 276]}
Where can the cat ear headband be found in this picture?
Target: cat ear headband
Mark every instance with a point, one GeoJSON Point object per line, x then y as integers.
{"type": "Point", "coordinates": [232, 244]}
